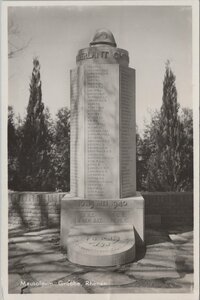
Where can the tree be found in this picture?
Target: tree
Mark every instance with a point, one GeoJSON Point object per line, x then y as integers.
{"type": "Point", "coordinates": [166, 150]}
{"type": "Point", "coordinates": [148, 149]}
{"type": "Point", "coordinates": [142, 156]}
{"type": "Point", "coordinates": [13, 150]}
{"type": "Point", "coordinates": [34, 159]}
{"type": "Point", "coordinates": [186, 173]}
{"type": "Point", "coordinates": [62, 150]}
{"type": "Point", "coordinates": [169, 142]}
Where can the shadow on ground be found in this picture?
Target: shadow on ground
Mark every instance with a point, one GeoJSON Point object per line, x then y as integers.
{"type": "Point", "coordinates": [37, 264]}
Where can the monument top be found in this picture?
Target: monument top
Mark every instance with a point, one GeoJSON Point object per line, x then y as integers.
{"type": "Point", "coordinates": [103, 37]}
{"type": "Point", "coordinates": [103, 50]}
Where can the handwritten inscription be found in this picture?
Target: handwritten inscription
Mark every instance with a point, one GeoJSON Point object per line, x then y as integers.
{"type": "Point", "coordinates": [102, 241]}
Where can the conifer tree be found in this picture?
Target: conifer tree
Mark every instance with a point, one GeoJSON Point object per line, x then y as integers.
{"type": "Point", "coordinates": [169, 138]}
{"type": "Point", "coordinates": [164, 164]}
{"type": "Point", "coordinates": [61, 158]}
{"type": "Point", "coordinates": [34, 155]}
{"type": "Point", "coordinates": [13, 149]}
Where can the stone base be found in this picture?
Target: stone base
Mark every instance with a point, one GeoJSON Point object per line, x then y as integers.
{"type": "Point", "coordinates": [101, 245]}
{"type": "Point", "coordinates": [80, 212]}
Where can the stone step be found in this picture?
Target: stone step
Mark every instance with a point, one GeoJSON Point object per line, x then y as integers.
{"type": "Point", "coordinates": [101, 245]}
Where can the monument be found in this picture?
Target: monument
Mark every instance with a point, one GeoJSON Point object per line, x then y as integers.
{"type": "Point", "coordinates": [102, 220]}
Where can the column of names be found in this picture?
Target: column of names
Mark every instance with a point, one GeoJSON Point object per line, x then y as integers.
{"type": "Point", "coordinates": [100, 135]}
{"type": "Point", "coordinates": [127, 132]}
{"type": "Point", "coordinates": [73, 132]}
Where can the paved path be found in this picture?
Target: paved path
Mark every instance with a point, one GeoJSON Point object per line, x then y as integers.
{"type": "Point", "coordinates": [38, 265]}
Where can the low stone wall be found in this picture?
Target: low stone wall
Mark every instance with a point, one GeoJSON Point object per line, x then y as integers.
{"type": "Point", "coordinates": [32, 210]}
{"type": "Point", "coordinates": [168, 208]}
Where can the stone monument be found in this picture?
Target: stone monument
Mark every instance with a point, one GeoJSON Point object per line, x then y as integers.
{"type": "Point", "coordinates": [102, 220]}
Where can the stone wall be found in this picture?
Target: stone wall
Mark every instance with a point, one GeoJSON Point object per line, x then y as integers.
{"type": "Point", "coordinates": [31, 210]}
{"type": "Point", "coordinates": [168, 208]}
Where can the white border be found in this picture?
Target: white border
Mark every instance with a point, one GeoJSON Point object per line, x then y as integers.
{"type": "Point", "coordinates": [4, 95]}
{"type": "Point", "coordinates": [195, 82]}
{"type": "Point", "coordinates": [191, 3]}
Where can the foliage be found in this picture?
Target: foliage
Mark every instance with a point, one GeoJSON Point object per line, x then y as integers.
{"type": "Point", "coordinates": [166, 149]}
{"type": "Point", "coordinates": [13, 150]}
{"type": "Point", "coordinates": [62, 150]}
{"type": "Point", "coordinates": [186, 173]}
{"type": "Point", "coordinates": [34, 156]}
{"type": "Point", "coordinates": [39, 147]}
{"type": "Point", "coordinates": [142, 155]}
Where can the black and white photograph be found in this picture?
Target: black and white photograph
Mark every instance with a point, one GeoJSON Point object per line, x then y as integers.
{"type": "Point", "coordinates": [100, 140]}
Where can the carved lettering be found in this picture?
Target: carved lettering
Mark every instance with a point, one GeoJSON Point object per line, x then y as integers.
{"type": "Point", "coordinates": [101, 138]}
{"type": "Point", "coordinates": [127, 133]}
{"type": "Point", "coordinates": [103, 217]}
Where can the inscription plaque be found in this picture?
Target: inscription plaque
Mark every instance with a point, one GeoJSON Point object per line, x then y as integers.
{"type": "Point", "coordinates": [104, 212]}
{"type": "Point", "coordinates": [100, 245]}
{"type": "Point", "coordinates": [103, 139]}
{"type": "Point", "coordinates": [76, 134]}
{"type": "Point", "coordinates": [127, 132]}
{"type": "Point", "coordinates": [102, 127]}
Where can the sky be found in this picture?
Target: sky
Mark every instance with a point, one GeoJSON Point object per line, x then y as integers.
{"type": "Point", "coordinates": [151, 35]}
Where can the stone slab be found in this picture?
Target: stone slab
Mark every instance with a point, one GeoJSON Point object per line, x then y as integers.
{"type": "Point", "coordinates": [186, 280]}
{"type": "Point", "coordinates": [42, 232]}
{"type": "Point", "coordinates": [126, 211]}
{"type": "Point", "coordinates": [52, 276]}
{"type": "Point", "coordinates": [127, 132]}
{"type": "Point", "coordinates": [94, 155]}
{"type": "Point", "coordinates": [63, 288]}
{"type": "Point", "coordinates": [46, 267]}
{"type": "Point", "coordinates": [159, 278]}
{"type": "Point", "coordinates": [106, 278]}
{"type": "Point", "coordinates": [100, 245]}
{"type": "Point", "coordinates": [103, 137]}
{"type": "Point", "coordinates": [42, 258]}
{"type": "Point", "coordinates": [101, 131]}
{"type": "Point", "coordinates": [156, 274]}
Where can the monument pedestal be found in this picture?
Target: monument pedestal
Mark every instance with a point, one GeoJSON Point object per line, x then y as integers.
{"type": "Point", "coordinates": [86, 220]}
{"type": "Point", "coordinates": [101, 245]}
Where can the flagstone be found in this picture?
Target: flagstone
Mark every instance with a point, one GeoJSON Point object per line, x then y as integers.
{"type": "Point", "coordinates": [37, 256]}
{"type": "Point", "coordinates": [106, 278]}
{"type": "Point", "coordinates": [50, 276]}
{"type": "Point", "coordinates": [186, 279]}
{"type": "Point", "coordinates": [42, 258]}
{"type": "Point", "coordinates": [58, 289]}
{"type": "Point", "coordinates": [46, 268]}
{"type": "Point", "coordinates": [153, 274]}
{"type": "Point", "coordinates": [42, 232]}
{"type": "Point", "coordinates": [178, 238]}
